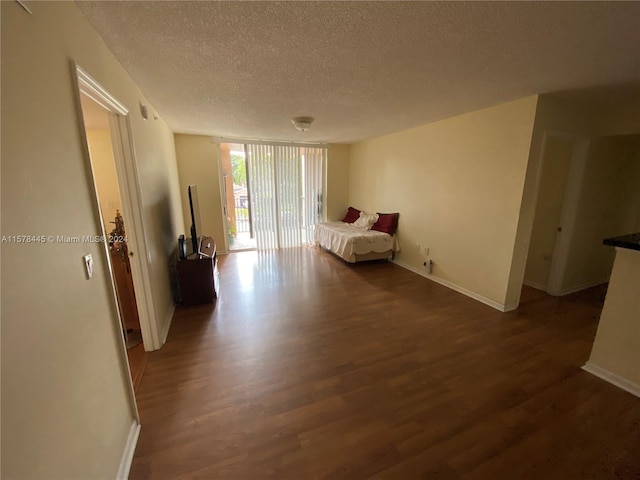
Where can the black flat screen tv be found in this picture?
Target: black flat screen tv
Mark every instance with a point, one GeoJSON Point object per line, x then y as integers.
{"type": "Point", "coordinates": [196, 223]}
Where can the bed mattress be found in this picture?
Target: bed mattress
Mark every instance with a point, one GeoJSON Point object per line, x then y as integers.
{"type": "Point", "coordinates": [347, 241]}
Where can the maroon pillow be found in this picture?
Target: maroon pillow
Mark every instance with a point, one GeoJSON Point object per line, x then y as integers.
{"type": "Point", "coordinates": [387, 223]}
{"type": "Point", "coordinates": [352, 215]}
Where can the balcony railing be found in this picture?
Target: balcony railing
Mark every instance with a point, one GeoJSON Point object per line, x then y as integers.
{"type": "Point", "coordinates": [242, 214]}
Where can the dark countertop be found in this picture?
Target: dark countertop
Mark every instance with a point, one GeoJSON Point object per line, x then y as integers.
{"type": "Point", "coordinates": [632, 241]}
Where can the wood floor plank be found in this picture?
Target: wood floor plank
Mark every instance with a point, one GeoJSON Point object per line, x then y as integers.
{"type": "Point", "coordinates": [310, 368]}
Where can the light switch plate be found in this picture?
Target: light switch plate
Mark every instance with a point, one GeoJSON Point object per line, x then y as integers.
{"type": "Point", "coordinates": [88, 265]}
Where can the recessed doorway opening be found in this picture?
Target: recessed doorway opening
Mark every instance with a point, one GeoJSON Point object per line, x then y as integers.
{"type": "Point", "coordinates": [240, 234]}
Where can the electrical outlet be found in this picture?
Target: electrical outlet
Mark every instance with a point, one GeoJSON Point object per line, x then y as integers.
{"type": "Point", "coordinates": [428, 265]}
{"type": "Point", "coordinates": [417, 247]}
{"type": "Point", "coordinates": [425, 250]}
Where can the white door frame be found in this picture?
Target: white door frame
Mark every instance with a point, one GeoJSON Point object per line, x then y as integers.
{"type": "Point", "coordinates": [124, 158]}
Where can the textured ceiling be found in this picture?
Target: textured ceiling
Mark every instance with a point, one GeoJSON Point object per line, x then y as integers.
{"type": "Point", "coordinates": [362, 69]}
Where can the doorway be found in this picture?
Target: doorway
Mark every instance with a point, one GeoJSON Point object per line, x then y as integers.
{"type": "Point", "coordinates": [547, 227]}
{"type": "Point", "coordinates": [127, 174]}
{"type": "Point", "coordinates": [587, 192]}
{"type": "Point", "coordinates": [100, 142]}
{"type": "Point", "coordinates": [237, 206]}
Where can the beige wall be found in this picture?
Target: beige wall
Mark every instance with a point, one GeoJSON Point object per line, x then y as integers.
{"type": "Point", "coordinates": [337, 181]}
{"type": "Point", "coordinates": [609, 206]}
{"type": "Point", "coordinates": [615, 349]}
{"type": "Point", "coordinates": [458, 187]}
{"type": "Point", "coordinates": [105, 174]}
{"type": "Point", "coordinates": [197, 157]}
{"type": "Point", "coordinates": [66, 410]}
{"type": "Point", "coordinates": [622, 118]}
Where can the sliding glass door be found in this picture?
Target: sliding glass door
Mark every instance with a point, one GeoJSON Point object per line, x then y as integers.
{"type": "Point", "coordinates": [285, 193]}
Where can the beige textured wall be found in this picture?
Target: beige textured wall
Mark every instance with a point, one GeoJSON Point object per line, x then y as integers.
{"type": "Point", "coordinates": [609, 206]}
{"type": "Point", "coordinates": [458, 186]}
{"type": "Point", "coordinates": [615, 348]}
{"type": "Point", "coordinates": [337, 181]}
{"type": "Point", "coordinates": [66, 409]}
{"type": "Point", "coordinates": [553, 183]}
{"type": "Point", "coordinates": [197, 158]}
{"type": "Point", "coordinates": [105, 174]}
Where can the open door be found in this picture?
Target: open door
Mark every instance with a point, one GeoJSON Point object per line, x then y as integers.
{"type": "Point", "coordinates": [237, 197]}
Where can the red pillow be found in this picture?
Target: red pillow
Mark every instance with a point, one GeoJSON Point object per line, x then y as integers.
{"type": "Point", "coordinates": [387, 223]}
{"type": "Point", "coordinates": [352, 215]}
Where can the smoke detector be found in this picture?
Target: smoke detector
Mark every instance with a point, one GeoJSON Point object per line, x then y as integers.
{"type": "Point", "coordinates": [302, 123]}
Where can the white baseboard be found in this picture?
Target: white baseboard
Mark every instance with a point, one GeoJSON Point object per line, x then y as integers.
{"type": "Point", "coordinates": [566, 291]}
{"type": "Point", "coordinates": [129, 449]}
{"type": "Point", "coordinates": [510, 307]}
{"type": "Point", "coordinates": [584, 286]}
{"type": "Point", "coordinates": [487, 301]}
{"type": "Point", "coordinates": [612, 378]}
{"type": "Point", "coordinates": [537, 286]}
{"type": "Point", "coordinates": [165, 331]}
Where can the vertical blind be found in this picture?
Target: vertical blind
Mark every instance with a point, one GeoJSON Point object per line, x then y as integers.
{"type": "Point", "coordinates": [285, 190]}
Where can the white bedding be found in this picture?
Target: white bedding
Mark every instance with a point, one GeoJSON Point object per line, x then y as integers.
{"type": "Point", "coordinates": [348, 241]}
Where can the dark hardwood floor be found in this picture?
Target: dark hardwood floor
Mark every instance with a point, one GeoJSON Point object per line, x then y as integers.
{"type": "Point", "coordinates": [309, 368]}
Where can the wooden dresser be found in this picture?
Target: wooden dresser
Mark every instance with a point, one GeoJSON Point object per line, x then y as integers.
{"type": "Point", "coordinates": [198, 274]}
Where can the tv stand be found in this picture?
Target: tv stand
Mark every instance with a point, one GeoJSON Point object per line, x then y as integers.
{"type": "Point", "coordinates": [198, 274]}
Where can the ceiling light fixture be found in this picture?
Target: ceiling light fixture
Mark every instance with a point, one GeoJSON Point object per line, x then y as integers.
{"type": "Point", "coordinates": [302, 123]}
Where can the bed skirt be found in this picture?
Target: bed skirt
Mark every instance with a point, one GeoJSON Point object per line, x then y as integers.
{"type": "Point", "coordinates": [364, 257]}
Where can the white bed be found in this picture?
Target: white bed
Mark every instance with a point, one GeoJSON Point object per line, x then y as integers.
{"type": "Point", "coordinates": [354, 244]}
